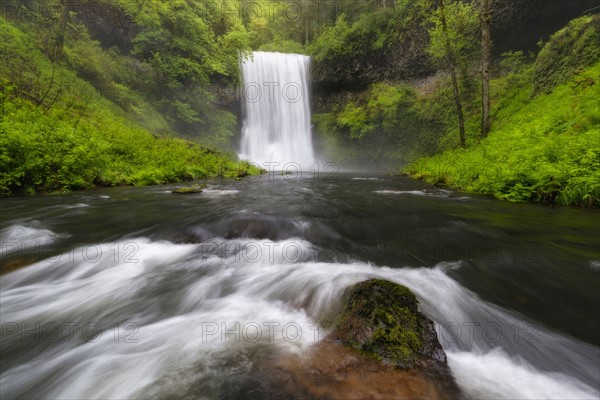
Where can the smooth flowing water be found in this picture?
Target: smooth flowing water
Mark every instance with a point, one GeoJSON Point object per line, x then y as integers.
{"type": "Point", "coordinates": [277, 128]}
{"type": "Point", "coordinates": [140, 293]}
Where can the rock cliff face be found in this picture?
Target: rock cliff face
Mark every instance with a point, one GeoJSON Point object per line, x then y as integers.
{"type": "Point", "coordinates": [516, 25]}
{"type": "Point", "coordinates": [521, 24]}
{"type": "Point", "coordinates": [403, 58]}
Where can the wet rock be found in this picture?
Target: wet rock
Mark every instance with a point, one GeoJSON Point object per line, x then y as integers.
{"type": "Point", "coordinates": [333, 371]}
{"type": "Point", "coordinates": [256, 226]}
{"type": "Point", "coordinates": [15, 263]}
{"type": "Point", "coordinates": [189, 189]}
{"type": "Point", "coordinates": [381, 347]}
{"type": "Point", "coordinates": [381, 319]}
{"type": "Point", "coordinates": [193, 236]}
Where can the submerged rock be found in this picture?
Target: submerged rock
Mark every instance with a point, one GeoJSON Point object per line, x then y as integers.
{"type": "Point", "coordinates": [332, 371]}
{"type": "Point", "coordinates": [189, 189]}
{"type": "Point", "coordinates": [381, 347]}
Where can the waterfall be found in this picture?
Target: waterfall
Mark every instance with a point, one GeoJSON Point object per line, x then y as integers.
{"type": "Point", "coordinates": [276, 125]}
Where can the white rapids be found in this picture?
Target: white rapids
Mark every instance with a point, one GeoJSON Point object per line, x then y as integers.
{"type": "Point", "coordinates": [147, 319]}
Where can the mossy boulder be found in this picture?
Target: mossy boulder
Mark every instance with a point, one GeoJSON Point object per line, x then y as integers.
{"type": "Point", "coordinates": [381, 347]}
{"type": "Point", "coordinates": [189, 189]}
{"type": "Point", "coordinates": [381, 319]}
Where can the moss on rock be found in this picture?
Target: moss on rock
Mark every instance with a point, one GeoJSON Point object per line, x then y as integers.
{"type": "Point", "coordinates": [381, 319]}
{"type": "Point", "coordinates": [189, 189]}
{"type": "Point", "coordinates": [381, 347]}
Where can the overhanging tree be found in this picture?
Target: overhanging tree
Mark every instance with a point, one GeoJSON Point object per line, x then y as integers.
{"type": "Point", "coordinates": [448, 54]}
{"type": "Point", "coordinates": [454, 45]}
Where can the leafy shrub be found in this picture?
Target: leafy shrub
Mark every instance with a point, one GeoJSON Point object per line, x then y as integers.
{"type": "Point", "coordinates": [72, 137]}
{"type": "Point", "coordinates": [545, 148]}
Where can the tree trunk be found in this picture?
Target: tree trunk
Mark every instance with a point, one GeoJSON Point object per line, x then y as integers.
{"type": "Point", "coordinates": [306, 20]}
{"type": "Point", "coordinates": [59, 39]}
{"type": "Point", "coordinates": [486, 44]}
{"type": "Point", "coordinates": [452, 67]}
{"type": "Point", "coordinates": [306, 31]}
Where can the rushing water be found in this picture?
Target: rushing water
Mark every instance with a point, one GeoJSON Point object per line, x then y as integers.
{"type": "Point", "coordinates": [276, 103]}
{"type": "Point", "coordinates": [140, 293]}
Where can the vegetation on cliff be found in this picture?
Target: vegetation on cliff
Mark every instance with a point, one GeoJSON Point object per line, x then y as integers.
{"type": "Point", "coordinates": [113, 93]}
{"type": "Point", "coordinates": [545, 138]}
{"type": "Point", "coordinates": [543, 124]}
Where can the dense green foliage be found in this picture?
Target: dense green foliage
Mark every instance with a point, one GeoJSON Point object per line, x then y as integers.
{"type": "Point", "coordinates": [159, 61]}
{"type": "Point", "coordinates": [412, 125]}
{"type": "Point", "coordinates": [545, 148]}
{"type": "Point", "coordinates": [463, 22]}
{"type": "Point", "coordinates": [282, 46]}
{"type": "Point", "coordinates": [379, 44]}
{"type": "Point", "coordinates": [569, 50]}
{"type": "Point", "coordinates": [110, 92]}
{"type": "Point", "coordinates": [58, 132]}
{"type": "Point", "coordinates": [372, 126]}
{"type": "Point", "coordinates": [544, 144]}
{"type": "Point", "coordinates": [187, 45]}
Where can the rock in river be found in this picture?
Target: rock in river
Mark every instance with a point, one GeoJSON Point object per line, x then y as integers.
{"type": "Point", "coordinates": [381, 347]}
{"type": "Point", "coordinates": [381, 318]}
{"type": "Point", "coordinates": [188, 189]}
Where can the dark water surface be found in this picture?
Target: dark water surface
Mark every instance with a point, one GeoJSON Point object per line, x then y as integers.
{"type": "Point", "coordinates": [513, 288]}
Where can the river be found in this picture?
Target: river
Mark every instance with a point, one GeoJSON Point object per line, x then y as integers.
{"type": "Point", "coordinates": [141, 293]}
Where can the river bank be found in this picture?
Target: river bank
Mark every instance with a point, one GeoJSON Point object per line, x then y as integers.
{"type": "Point", "coordinates": [542, 149]}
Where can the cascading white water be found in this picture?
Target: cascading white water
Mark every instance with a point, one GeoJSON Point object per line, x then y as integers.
{"type": "Point", "coordinates": [276, 110]}
{"type": "Point", "coordinates": [149, 318]}
{"type": "Point", "coordinates": [59, 330]}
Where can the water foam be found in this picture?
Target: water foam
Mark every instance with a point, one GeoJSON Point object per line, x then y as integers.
{"type": "Point", "coordinates": [184, 299]}
{"type": "Point", "coordinates": [17, 237]}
